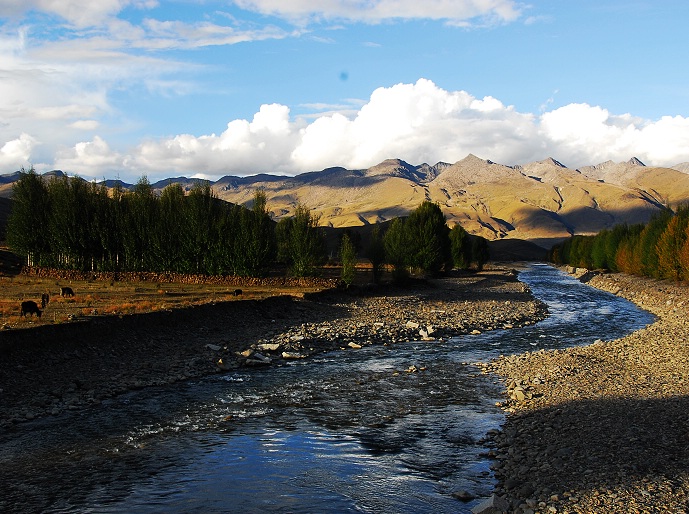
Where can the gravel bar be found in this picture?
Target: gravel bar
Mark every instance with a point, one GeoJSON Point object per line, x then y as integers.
{"type": "Point", "coordinates": [605, 427]}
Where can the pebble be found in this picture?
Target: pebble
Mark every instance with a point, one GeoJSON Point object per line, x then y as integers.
{"type": "Point", "coordinates": [219, 338]}
{"type": "Point", "coordinates": [607, 423]}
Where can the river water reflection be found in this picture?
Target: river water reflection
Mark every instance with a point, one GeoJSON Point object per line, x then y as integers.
{"type": "Point", "coordinates": [341, 432]}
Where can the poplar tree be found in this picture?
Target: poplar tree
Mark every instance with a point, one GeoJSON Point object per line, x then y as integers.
{"type": "Point", "coordinates": [300, 242]}
{"type": "Point", "coordinates": [27, 225]}
{"type": "Point", "coordinates": [460, 247]}
{"type": "Point", "coordinates": [348, 259]}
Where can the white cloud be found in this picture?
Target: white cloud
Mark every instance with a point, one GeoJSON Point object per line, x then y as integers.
{"type": "Point", "coordinates": [418, 122]}
{"type": "Point", "coordinates": [16, 153]}
{"type": "Point", "coordinates": [89, 159]}
{"type": "Point", "coordinates": [584, 134]}
{"type": "Point", "coordinates": [373, 11]}
{"type": "Point", "coordinates": [80, 13]}
{"type": "Point", "coordinates": [85, 125]}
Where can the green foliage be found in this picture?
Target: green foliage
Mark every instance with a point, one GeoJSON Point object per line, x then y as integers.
{"type": "Point", "coordinates": [27, 225]}
{"type": "Point", "coordinates": [396, 248]}
{"type": "Point", "coordinates": [460, 246]}
{"type": "Point", "coordinates": [71, 224]}
{"type": "Point", "coordinates": [479, 252]}
{"type": "Point", "coordinates": [658, 249]}
{"type": "Point", "coordinates": [649, 241]}
{"type": "Point", "coordinates": [427, 237]}
{"type": "Point", "coordinates": [259, 236]}
{"type": "Point", "coordinates": [348, 259]}
{"type": "Point", "coordinates": [424, 243]}
{"type": "Point", "coordinates": [670, 243]}
{"type": "Point", "coordinates": [300, 242]}
{"type": "Point", "coordinates": [376, 253]}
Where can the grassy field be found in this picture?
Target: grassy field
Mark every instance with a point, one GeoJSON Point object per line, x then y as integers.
{"type": "Point", "coordinates": [95, 298]}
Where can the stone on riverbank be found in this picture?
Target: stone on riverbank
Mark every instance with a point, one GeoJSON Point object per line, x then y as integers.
{"type": "Point", "coordinates": [607, 428]}
{"type": "Point", "coordinates": [165, 347]}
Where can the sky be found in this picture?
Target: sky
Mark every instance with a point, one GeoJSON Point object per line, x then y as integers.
{"type": "Point", "coordinates": [204, 88]}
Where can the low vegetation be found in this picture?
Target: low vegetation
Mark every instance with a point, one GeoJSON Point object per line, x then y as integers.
{"type": "Point", "coordinates": [117, 298]}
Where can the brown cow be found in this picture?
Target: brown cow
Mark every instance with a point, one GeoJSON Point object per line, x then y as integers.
{"type": "Point", "coordinates": [45, 300]}
{"type": "Point", "coordinates": [66, 291]}
{"type": "Point", "coordinates": [30, 307]}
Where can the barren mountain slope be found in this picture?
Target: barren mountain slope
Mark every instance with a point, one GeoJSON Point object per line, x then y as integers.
{"type": "Point", "coordinates": [341, 197]}
{"type": "Point", "coordinates": [542, 201]}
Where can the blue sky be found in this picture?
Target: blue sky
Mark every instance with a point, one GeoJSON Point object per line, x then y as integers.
{"type": "Point", "coordinates": [125, 88]}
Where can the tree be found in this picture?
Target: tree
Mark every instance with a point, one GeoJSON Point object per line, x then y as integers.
{"type": "Point", "coordinates": [670, 243]}
{"type": "Point", "coordinates": [479, 252]}
{"type": "Point", "coordinates": [649, 242]}
{"type": "Point", "coordinates": [460, 247]}
{"type": "Point", "coordinates": [376, 253]}
{"type": "Point", "coordinates": [396, 249]}
{"type": "Point", "coordinates": [348, 259]}
{"type": "Point", "coordinates": [259, 236]}
{"type": "Point", "coordinates": [171, 225]}
{"type": "Point", "coordinates": [27, 225]}
{"type": "Point", "coordinates": [138, 225]}
{"type": "Point", "coordinates": [428, 238]}
{"type": "Point", "coordinates": [300, 242]}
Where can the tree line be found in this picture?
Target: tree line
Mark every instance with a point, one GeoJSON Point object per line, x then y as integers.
{"type": "Point", "coordinates": [69, 223]}
{"type": "Point", "coordinates": [657, 249]}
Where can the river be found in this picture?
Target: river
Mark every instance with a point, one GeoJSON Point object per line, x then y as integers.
{"type": "Point", "coordinates": [394, 429]}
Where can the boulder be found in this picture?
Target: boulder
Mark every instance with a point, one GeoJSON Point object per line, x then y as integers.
{"type": "Point", "coordinates": [464, 496]}
{"type": "Point", "coordinates": [268, 347]}
{"type": "Point", "coordinates": [492, 505]}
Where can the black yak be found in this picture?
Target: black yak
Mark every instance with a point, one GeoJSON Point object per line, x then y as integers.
{"type": "Point", "coordinates": [30, 307]}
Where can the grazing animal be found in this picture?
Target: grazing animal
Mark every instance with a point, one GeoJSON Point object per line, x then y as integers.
{"type": "Point", "coordinates": [45, 300]}
{"type": "Point", "coordinates": [66, 291]}
{"type": "Point", "coordinates": [30, 307]}
{"type": "Point", "coordinates": [237, 292]}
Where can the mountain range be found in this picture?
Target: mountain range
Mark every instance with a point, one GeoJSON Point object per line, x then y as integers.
{"type": "Point", "coordinates": [542, 202]}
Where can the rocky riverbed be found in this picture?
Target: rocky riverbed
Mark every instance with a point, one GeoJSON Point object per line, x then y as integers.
{"type": "Point", "coordinates": [52, 368]}
{"type": "Point", "coordinates": [601, 428]}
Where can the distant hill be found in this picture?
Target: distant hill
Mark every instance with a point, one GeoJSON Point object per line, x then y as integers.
{"type": "Point", "coordinates": [541, 202]}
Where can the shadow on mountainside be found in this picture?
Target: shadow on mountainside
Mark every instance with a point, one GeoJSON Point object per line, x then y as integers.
{"type": "Point", "coordinates": [596, 446]}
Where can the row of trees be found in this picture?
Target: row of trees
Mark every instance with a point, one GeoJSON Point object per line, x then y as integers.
{"type": "Point", "coordinates": [69, 223]}
{"type": "Point", "coordinates": [72, 224]}
{"type": "Point", "coordinates": [658, 249]}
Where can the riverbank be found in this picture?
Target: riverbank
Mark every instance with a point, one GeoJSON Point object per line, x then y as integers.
{"type": "Point", "coordinates": [52, 368]}
{"type": "Point", "coordinates": [605, 427]}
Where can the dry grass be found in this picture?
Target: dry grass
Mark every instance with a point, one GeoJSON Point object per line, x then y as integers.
{"type": "Point", "coordinates": [94, 298]}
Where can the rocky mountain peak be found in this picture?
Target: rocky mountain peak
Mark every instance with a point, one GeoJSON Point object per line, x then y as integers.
{"type": "Point", "coordinates": [553, 162]}
{"type": "Point", "coordinates": [635, 162]}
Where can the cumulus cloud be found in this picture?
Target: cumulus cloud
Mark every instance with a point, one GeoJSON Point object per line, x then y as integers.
{"type": "Point", "coordinates": [16, 154]}
{"type": "Point", "coordinates": [417, 122]}
{"type": "Point", "coordinates": [264, 144]}
{"type": "Point", "coordinates": [89, 159]}
{"type": "Point", "coordinates": [374, 11]}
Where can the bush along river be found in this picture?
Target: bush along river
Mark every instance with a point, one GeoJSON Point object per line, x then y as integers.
{"type": "Point", "coordinates": [382, 429]}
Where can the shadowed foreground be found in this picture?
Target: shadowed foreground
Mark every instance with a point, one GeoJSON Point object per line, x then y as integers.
{"type": "Point", "coordinates": [602, 428]}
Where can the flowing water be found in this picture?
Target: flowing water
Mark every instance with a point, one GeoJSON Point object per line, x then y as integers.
{"type": "Point", "coordinates": [340, 432]}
